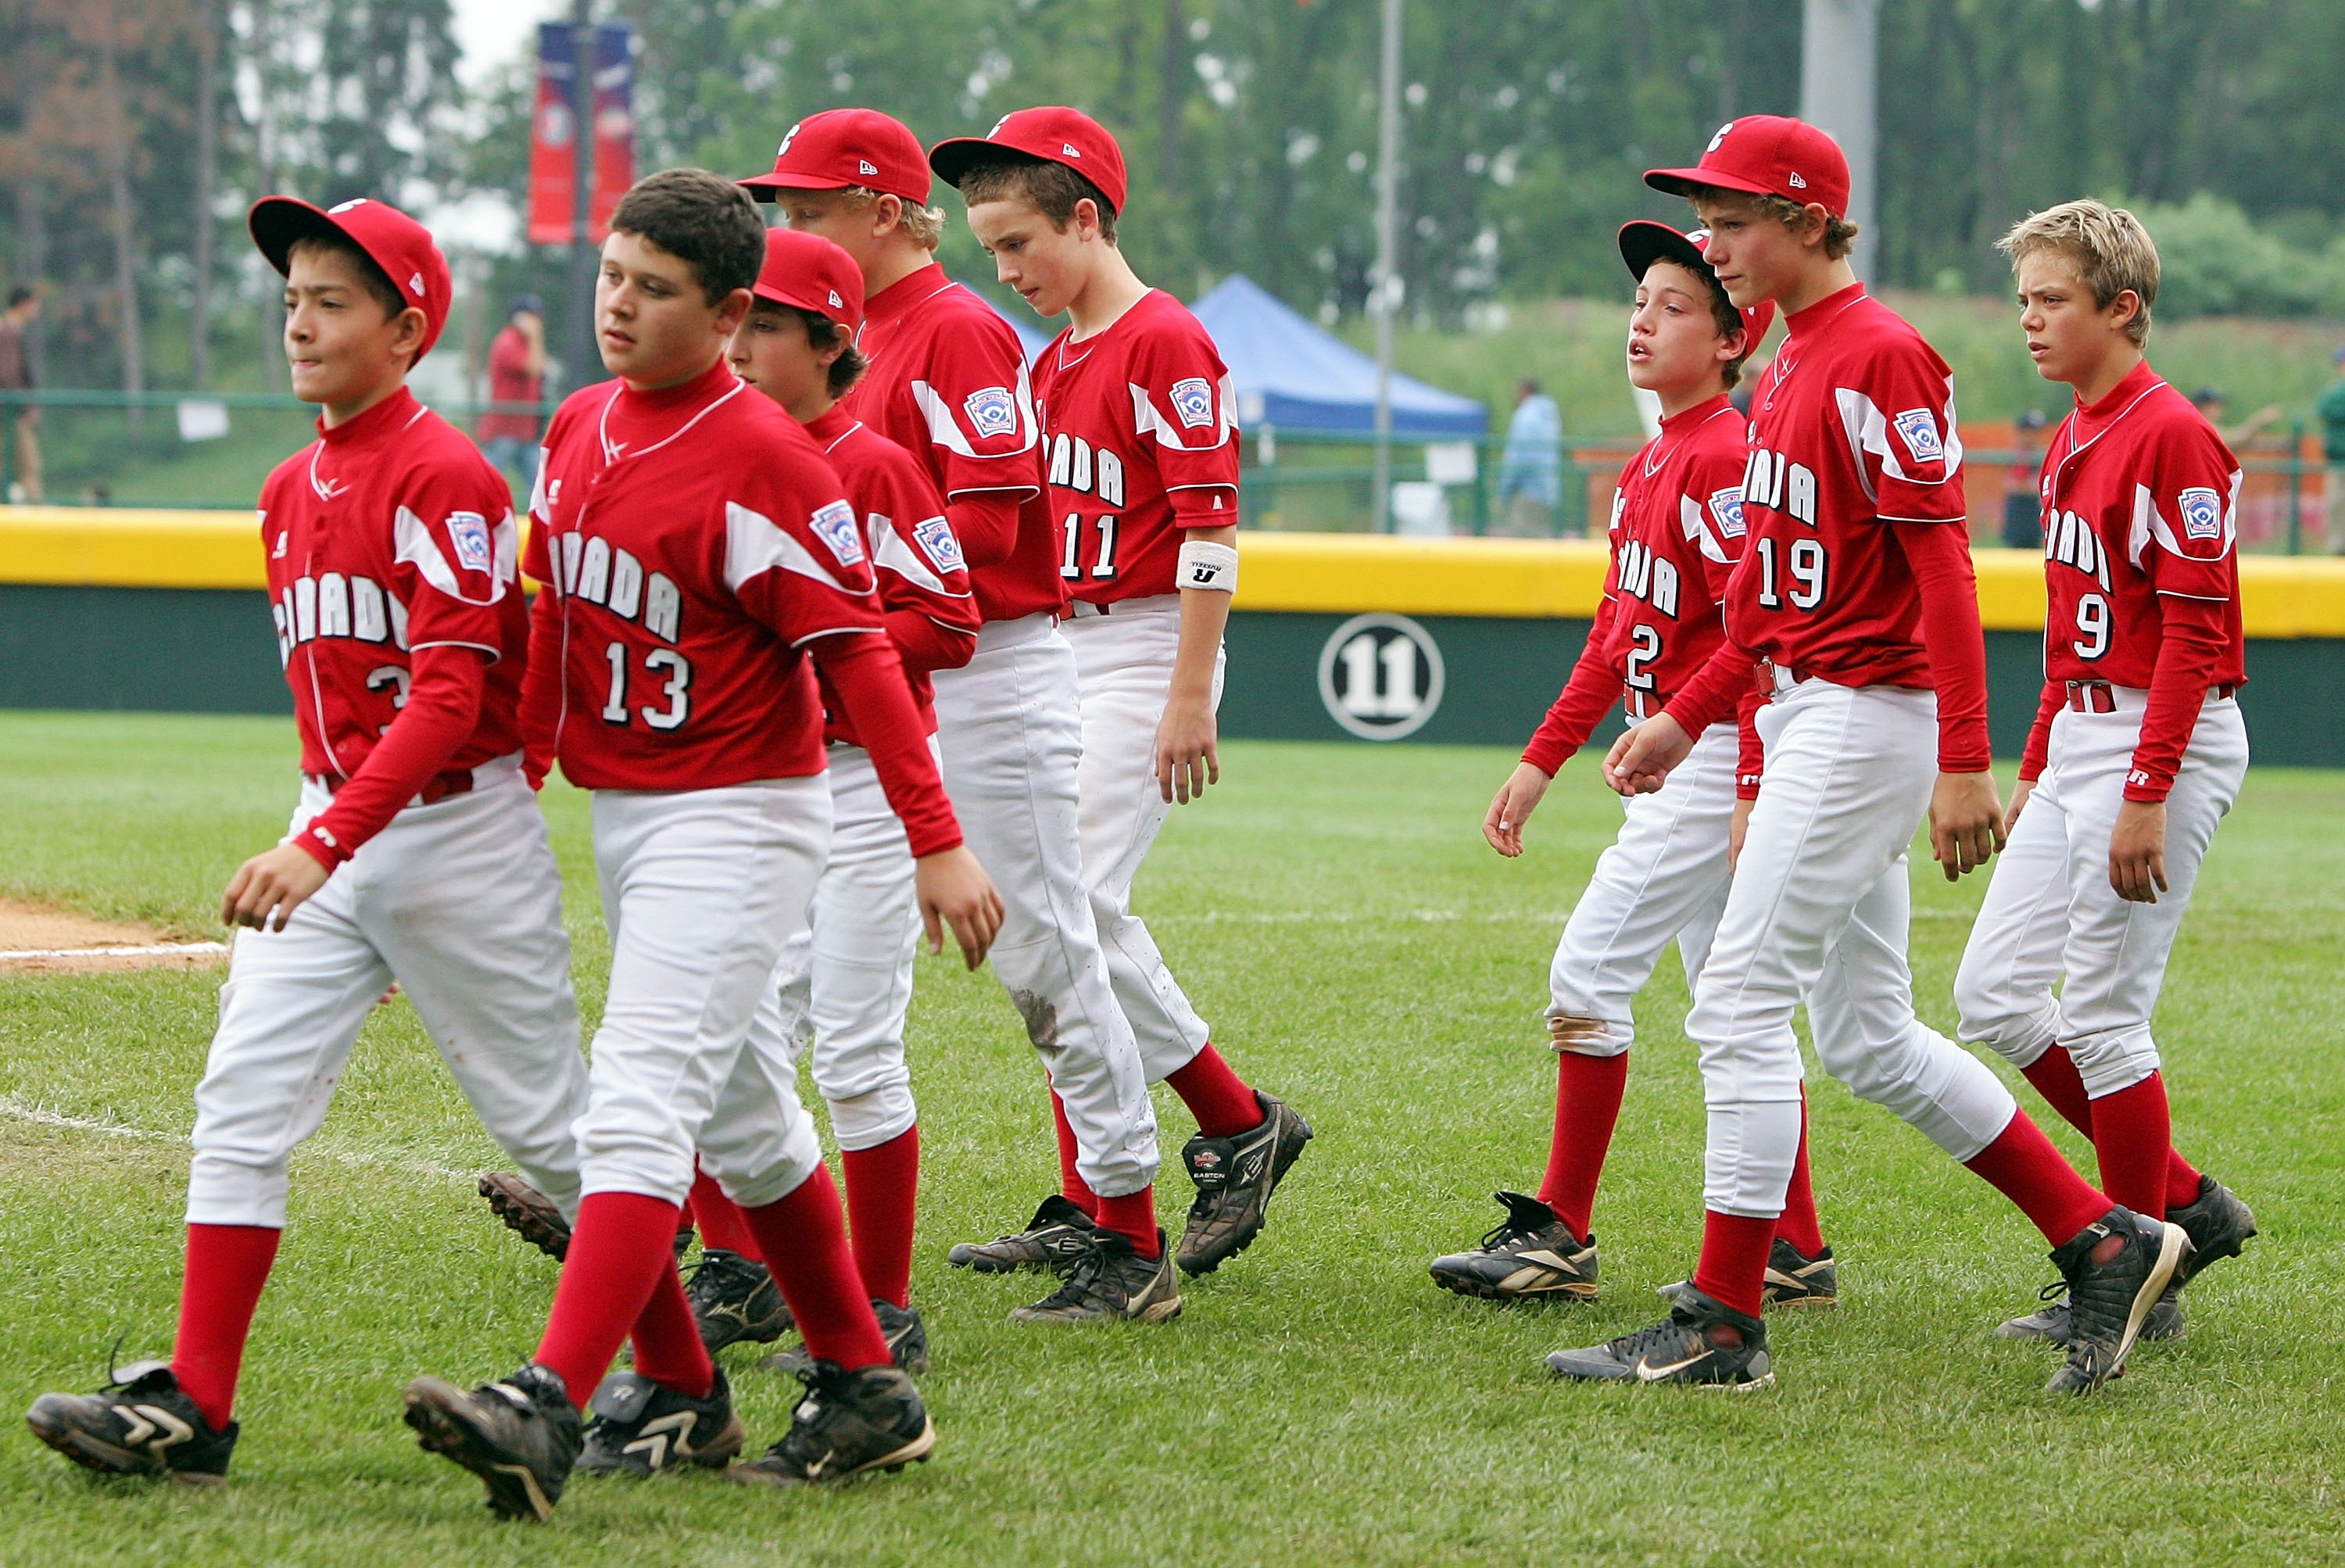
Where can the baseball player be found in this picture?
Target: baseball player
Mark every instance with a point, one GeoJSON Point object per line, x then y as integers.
{"type": "Point", "coordinates": [1142, 442]}
{"type": "Point", "coordinates": [1676, 532]}
{"type": "Point", "coordinates": [2137, 748]}
{"type": "Point", "coordinates": [700, 562]}
{"type": "Point", "coordinates": [1855, 586]}
{"type": "Point", "coordinates": [416, 854]}
{"type": "Point", "coordinates": [949, 384]}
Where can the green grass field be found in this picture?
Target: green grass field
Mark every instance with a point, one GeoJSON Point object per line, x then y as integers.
{"type": "Point", "coordinates": [1333, 910]}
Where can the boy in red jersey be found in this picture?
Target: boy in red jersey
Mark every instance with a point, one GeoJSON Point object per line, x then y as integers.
{"type": "Point", "coordinates": [700, 562]}
{"type": "Point", "coordinates": [416, 853]}
{"type": "Point", "coordinates": [2138, 748]}
{"type": "Point", "coordinates": [1676, 532]}
{"type": "Point", "coordinates": [1856, 588]}
{"type": "Point", "coordinates": [949, 384]}
{"type": "Point", "coordinates": [1136, 414]}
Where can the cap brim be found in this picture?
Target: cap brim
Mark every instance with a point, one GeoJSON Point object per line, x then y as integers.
{"type": "Point", "coordinates": [1686, 181]}
{"type": "Point", "coordinates": [778, 181]}
{"type": "Point", "coordinates": [1644, 242]}
{"type": "Point", "coordinates": [955, 158]}
{"type": "Point", "coordinates": [278, 223]}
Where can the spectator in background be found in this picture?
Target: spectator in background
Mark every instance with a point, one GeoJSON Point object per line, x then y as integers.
{"type": "Point", "coordinates": [1748, 387]}
{"type": "Point", "coordinates": [2023, 506]}
{"type": "Point", "coordinates": [1530, 471]}
{"type": "Point", "coordinates": [516, 376]}
{"type": "Point", "coordinates": [2210, 403]}
{"type": "Point", "coordinates": [16, 375]}
{"type": "Point", "coordinates": [2331, 409]}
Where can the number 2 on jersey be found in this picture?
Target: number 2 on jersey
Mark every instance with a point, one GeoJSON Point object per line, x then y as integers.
{"type": "Point", "coordinates": [1103, 566]}
{"type": "Point", "coordinates": [675, 687]}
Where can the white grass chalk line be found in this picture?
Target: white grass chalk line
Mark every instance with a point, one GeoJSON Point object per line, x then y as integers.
{"type": "Point", "coordinates": [15, 1110]}
{"type": "Point", "coordinates": [149, 950]}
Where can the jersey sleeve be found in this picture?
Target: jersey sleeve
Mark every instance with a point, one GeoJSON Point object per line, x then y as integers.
{"type": "Point", "coordinates": [794, 558]}
{"type": "Point", "coordinates": [1902, 433]}
{"type": "Point", "coordinates": [2185, 529]}
{"type": "Point", "coordinates": [923, 581]}
{"type": "Point", "coordinates": [456, 555]}
{"type": "Point", "coordinates": [1184, 413]}
{"type": "Point", "coordinates": [976, 399]}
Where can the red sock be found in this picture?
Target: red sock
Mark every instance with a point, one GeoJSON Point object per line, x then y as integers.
{"type": "Point", "coordinates": [1218, 1098]}
{"type": "Point", "coordinates": [1133, 1215]}
{"type": "Point", "coordinates": [227, 1267]}
{"type": "Point", "coordinates": [668, 1349]}
{"type": "Point", "coordinates": [2132, 1133]}
{"type": "Point", "coordinates": [2056, 1078]}
{"type": "Point", "coordinates": [721, 1225]}
{"type": "Point", "coordinates": [1797, 1224]}
{"type": "Point", "coordinates": [803, 1239]}
{"type": "Point", "coordinates": [1733, 1268]}
{"type": "Point", "coordinates": [1588, 1092]}
{"type": "Point", "coordinates": [619, 1247]}
{"type": "Point", "coordinates": [883, 1186]}
{"type": "Point", "coordinates": [1071, 1180]}
{"type": "Point", "coordinates": [2024, 1168]}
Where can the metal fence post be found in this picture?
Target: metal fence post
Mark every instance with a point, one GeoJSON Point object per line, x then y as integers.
{"type": "Point", "coordinates": [2295, 486]}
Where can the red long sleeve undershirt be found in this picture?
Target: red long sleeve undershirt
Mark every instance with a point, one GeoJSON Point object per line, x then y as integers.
{"type": "Point", "coordinates": [1939, 555]}
{"type": "Point", "coordinates": [443, 705]}
{"type": "Point", "coordinates": [1587, 696]}
{"type": "Point", "coordinates": [2039, 734]}
{"type": "Point", "coordinates": [925, 645]}
{"type": "Point", "coordinates": [986, 523]}
{"type": "Point", "coordinates": [864, 669]}
{"type": "Point", "coordinates": [2192, 636]}
{"type": "Point", "coordinates": [540, 689]}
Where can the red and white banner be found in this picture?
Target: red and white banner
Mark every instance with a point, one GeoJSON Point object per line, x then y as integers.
{"type": "Point", "coordinates": [553, 132]}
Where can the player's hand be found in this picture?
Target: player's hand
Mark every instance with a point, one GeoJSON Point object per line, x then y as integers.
{"type": "Point", "coordinates": [277, 883]}
{"type": "Point", "coordinates": [1966, 823]}
{"type": "Point", "coordinates": [2019, 794]}
{"type": "Point", "coordinates": [1517, 797]}
{"type": "Point", "coordinates": [2138, 851]}
{"type": "Point", "coordinates": [1186, 760]}
{"type": "Point", "coordinates": [1735, 832]}
{"type": "Point", "coordinates": [955, 892]}
{"type": "Point", "coordinates": [1641, 759]}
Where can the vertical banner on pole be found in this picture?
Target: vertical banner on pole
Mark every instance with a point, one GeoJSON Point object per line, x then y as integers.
{"type": "Point", "coordinates": [552, 138]}
{"type": "Point", "coordinates": [615, 123]}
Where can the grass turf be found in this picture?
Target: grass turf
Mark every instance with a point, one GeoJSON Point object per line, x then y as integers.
{"type": "Point", "coordinates": [1333, 910]}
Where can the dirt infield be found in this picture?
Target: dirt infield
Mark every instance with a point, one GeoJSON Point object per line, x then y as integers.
{"type": "Point", "coordinates": [36, 940]}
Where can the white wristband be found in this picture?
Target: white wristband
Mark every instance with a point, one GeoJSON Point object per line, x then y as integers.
{"type": "Point", "coordinates": [1213, 567]}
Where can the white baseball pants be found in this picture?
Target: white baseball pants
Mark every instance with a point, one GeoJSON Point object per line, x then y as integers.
{"type": "Point", "coordinates": [1664, 877]}
{"type": "Point", "coordinates": [702, 889]}
{"type": "Point", "coordinates": [1818, 912]}
{"type": "Point", "coordinates": [1011, 727]}
{"type": "Point", "coordinates": [844, 985]}
{"type": "Point", "coordinates": [2050, 913]}
{"type": "Point", "coordinates": [1123, 661]}
{"type": "Point", "coordinates": [460, 902]}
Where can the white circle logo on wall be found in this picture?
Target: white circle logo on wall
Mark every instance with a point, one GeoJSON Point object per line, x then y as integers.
{"type": "Point", "coordinates": [1380, 677]}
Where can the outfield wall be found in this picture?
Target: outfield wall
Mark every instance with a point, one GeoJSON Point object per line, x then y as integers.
{"type": "Point", "coordinates": [1335, 637]}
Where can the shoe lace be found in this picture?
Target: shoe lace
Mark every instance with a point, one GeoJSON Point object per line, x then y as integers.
{"type": "Point", "coordinates": [1505, 1233]}
{"type": "Point", "coordinates": [1081, 1285]}
{"type": "Point", "coordinates": [717, 1276]}
{"type": "Point", "coordinates": [1633, 1347]}
{"type": "Point", "coordinates": [2055, 1291]}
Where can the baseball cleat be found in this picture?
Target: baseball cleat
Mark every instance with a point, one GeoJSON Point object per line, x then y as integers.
{"type": "Point", "coordinates": [1530, 1256]}
{"type": "Point", "coordinates": [1234, 1178]}
{"type": "Point", "coordinates": [140, 1424]}
{"type": "Point", "coordinates": [849, 1423]}
{"type": "Point", "coordinates": [1794, 1279]}
{"type": "Point", "coordinates": [1112, 1282]}
{"type": "Point", "coordinates": [734, 1299]}
{"type": "Point", "coordinates": [1056, 1239]}
{"type": "Point", "coordinates": [527, 1213]}
{"type": "Point", "coordinates": [2217, 1224]}
{"type": "Point", "coordinates": [2117, 1269]}
{"type": "Point", "coordinates": [2164, 1320]}
{"type": "Point", "coordinates": [520, 1436]}
{"type": "Point", "coordinates": [1702, 1342]}
{"type": "Point", "coordinates": [639, 1427]}
{"type": "Point", "coordinates": [906, 1336]}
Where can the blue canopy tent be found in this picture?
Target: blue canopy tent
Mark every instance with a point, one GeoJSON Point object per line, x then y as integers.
{"type": "Point", "coordinates": [1293, 375]}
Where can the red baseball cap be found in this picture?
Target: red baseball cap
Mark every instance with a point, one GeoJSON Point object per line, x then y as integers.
{"type": "Point", "coordinates": [1644, 242]}
{"type": "Point", "coordinates": [840, 148]}
{"type": "Point", "coordinates": [810, 273]}
{"type": "Point", "coordinates": [1767, 154]}
{"type": "Point", "coordinates": [1054, 134]}
{"type": "Point", "coordinates": [395, 242]}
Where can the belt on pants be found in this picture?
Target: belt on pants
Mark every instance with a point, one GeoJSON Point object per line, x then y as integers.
{"type": "Point", "coordinates": [1638, 703]}
{"type": "Point", "coordinates": [1773, 680]}
{"type": "Point", "coordinates": [438, 787]}
{"type": "Point", "coordinates": [2101, 695]}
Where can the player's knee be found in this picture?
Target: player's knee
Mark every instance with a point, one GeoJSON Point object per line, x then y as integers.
{"type": "Point", "coordinates": [2112, 1061]}
{"type": "Point", "coordinates": [867, 1120]}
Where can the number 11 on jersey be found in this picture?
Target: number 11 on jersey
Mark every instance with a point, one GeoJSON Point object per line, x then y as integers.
{"type": "Point", "coordinates": [1103, 564]}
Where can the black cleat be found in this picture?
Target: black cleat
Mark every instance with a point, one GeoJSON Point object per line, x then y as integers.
{"type": "Point", "coordinates": [1234, 1178]}
{"type": "Point", "coordinates": [1794, 1279]}
{"type": "Point", "coordinates": [1056, 1239]}
{"type": "Point", "coordinates": [2164, 1320]}
{"type": "Point", "coordinates": [848, 1422]}
{"type": "Point", "coordinates": [140, 1424]}
{"type": "Point", "coordinates": [527, 1213]}
{"type": "Point", "coordinates": [1531, 1256]}
{"type": "Point", "coordinates": [520, 1436]}
{"type": "Point", "coordinates": [1702, 1342]}
{"type": "Point", "coordinates": [1112, 1282]}
{"type": "Point", "coordinates": [2117, 1269]}
{"type": "Point", "coordinates": [906, 1336]}
{"type": "Point", "coordinates": [2217, 1224]}
{"type": "Point", "coordinates": [639, 1427]}
{"type": "Point", "coordinates": [734, 1299]}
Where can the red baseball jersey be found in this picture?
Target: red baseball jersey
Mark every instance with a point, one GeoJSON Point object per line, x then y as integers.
{"type": "Point", "coordinates": [924, 587]}
{"type": "Point", "coordinates": [693, 541]}
{"type": "Point", "coordinates": [949, 384]}
{"type": "Point", "coordinates": [389, 533]}
{"type": "Point", "coordinates": [1143, 433]}
{"type": "Point", "coordinates": [1851, 426]}
{"type": "Point", "coordinates": [2141, 500]}
{"type": "Point", "coordinates": [1677, 531]}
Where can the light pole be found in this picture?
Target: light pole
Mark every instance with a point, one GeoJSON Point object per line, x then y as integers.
{"type": "Point", "coordinates": [1839, 44]}
{"type": "Point", "coordinates": [585, 361]}
{"type": "Point", "coordinates": [1384, 295]}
